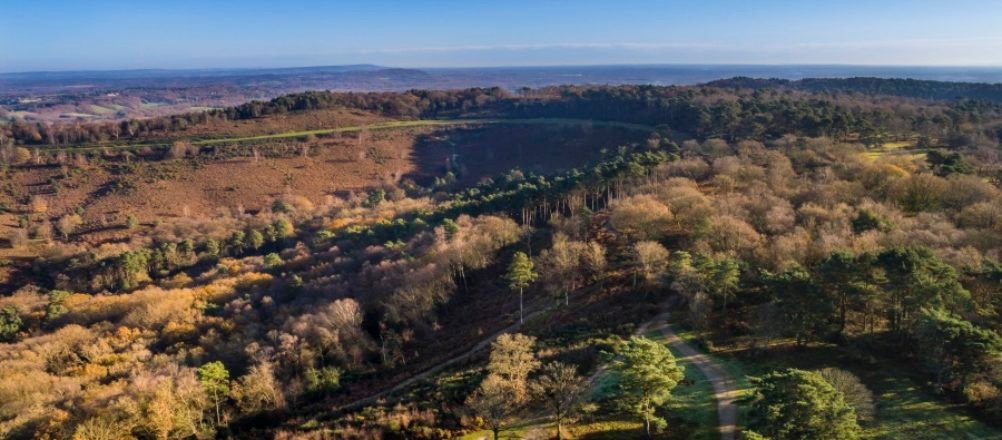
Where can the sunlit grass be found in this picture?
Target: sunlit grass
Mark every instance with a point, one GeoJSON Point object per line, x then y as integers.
{"type": "Point", "coordinates": [904, 409]}
{"type": "Point", "coordinates": [694, 401]}
{"type": "Point", "coordinates": [889, 146]}
{"type": "Point", "coordinates": [100, 110]}
{"type": "Point", "coordinates": [897, 148]}
{"type": "Point", "coordinates": [372, 127]}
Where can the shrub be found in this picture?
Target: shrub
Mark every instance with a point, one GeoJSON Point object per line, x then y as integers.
{"type": "Point", "coordinates": [323, 381]}
{"type": "Point", "coordinates": [10, 324]}
{"type": "Point", "coordinates": [856, 394]}
{"type": "Point", "coordinates": [272, 260]}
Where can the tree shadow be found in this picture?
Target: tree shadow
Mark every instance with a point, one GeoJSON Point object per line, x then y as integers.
{"type": "Point", "coordinates": [474, 153]}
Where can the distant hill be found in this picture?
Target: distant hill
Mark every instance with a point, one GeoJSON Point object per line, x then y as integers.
{"type": "Point", "coordinates": [89, 75]}
{"type": "Point", "coordinates": [80, 96]}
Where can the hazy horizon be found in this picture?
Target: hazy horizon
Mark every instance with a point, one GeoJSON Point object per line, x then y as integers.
{"type": "Point", "coordinates": [513, 66]}
{"type": "Point", "coordinates": [60, 35]}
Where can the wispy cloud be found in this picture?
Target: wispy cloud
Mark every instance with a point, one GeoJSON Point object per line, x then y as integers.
{"type": "Point", "coordinates": [550, 46]}
{"type": "Point", "coordinates": [705, 47]}
{"type": "Point", "coordinates": [924, 43]}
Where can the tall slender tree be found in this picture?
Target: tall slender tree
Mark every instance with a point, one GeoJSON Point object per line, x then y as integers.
{"type": "Point", "coordinates": [215, 378]}
{"type": "Point", "coordinates": [521, 274]}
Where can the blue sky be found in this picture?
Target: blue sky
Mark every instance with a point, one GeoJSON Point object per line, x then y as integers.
{"type": "Point", "coordinates": [112, 34]}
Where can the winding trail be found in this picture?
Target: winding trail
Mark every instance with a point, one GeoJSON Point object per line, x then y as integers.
{"type": "Point", "coordinates": [724, 386]}
{"type": "Point", "coordinates": [725, 389]}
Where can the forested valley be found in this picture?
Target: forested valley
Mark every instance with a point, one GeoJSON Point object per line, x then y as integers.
{"type": "Point", "coordinates": [836, 253]}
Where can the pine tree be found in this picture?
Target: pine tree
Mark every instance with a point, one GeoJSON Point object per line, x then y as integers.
{"type": "Point", "coordinates": [520, 275]}
{"type": "Point", "coordinates": [215, 379]}
{"type": "Point", "coordinates": [798, 404]}
{"type": "Point", "coordinates": [647, 374]}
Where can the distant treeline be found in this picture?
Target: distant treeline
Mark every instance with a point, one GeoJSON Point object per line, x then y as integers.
{"type": "Point", "coordinates": [910, 88]}
{"type": "Point", "coordinates": [733, 109]}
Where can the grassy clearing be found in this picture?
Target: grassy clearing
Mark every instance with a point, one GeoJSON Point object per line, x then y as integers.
{"type": "Point", "coordinates": [889, 146]}
{"type": "Point", "coordinates": [598, 429]}
{"type": "Point", "coordinates": [607, 430]}
{"type": "Point", "coordinates": [904, 409]}
{"type": "Point", "coordinates": [424, 123]}
{"type": "Point", "coordinates": [100, 110]}
{"type": "Point", "coordinates": [872, 156]}
{"type": "Point", "coordinates": [898, 148]}
{"type": "Point", "coordinates": [517, 432]}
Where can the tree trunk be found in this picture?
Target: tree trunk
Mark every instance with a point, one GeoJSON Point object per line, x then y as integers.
{"type": "Point", "coordinates": [842, 314]}
{"type": "Point", "coordinates": [462, 274]}
{"type": "Point", "coordinates": [647, 424]}
{"type": "Point", "coordinates": [215, 395]}
{"type": "Point", "coordinates": [520, 316]}
{"type": "Point", "coordinates": [496, 433]}
{"type": "Point", "coordinates": [559, 437]}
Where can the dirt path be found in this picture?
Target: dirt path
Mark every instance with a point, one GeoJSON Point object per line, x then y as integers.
{"type": "Point", "coordinates": [724, 386]}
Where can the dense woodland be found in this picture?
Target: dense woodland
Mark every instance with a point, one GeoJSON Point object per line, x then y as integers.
{"type": "Point", "coordinates": [728, 112]}
{"type": "Point", "coordinates": [764, 216]}
{"type": "Point", "coordinates": [904, 87]}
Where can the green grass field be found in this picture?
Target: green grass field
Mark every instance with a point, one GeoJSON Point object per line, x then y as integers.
{"type": "Point", "coordinates": [905, 410]}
